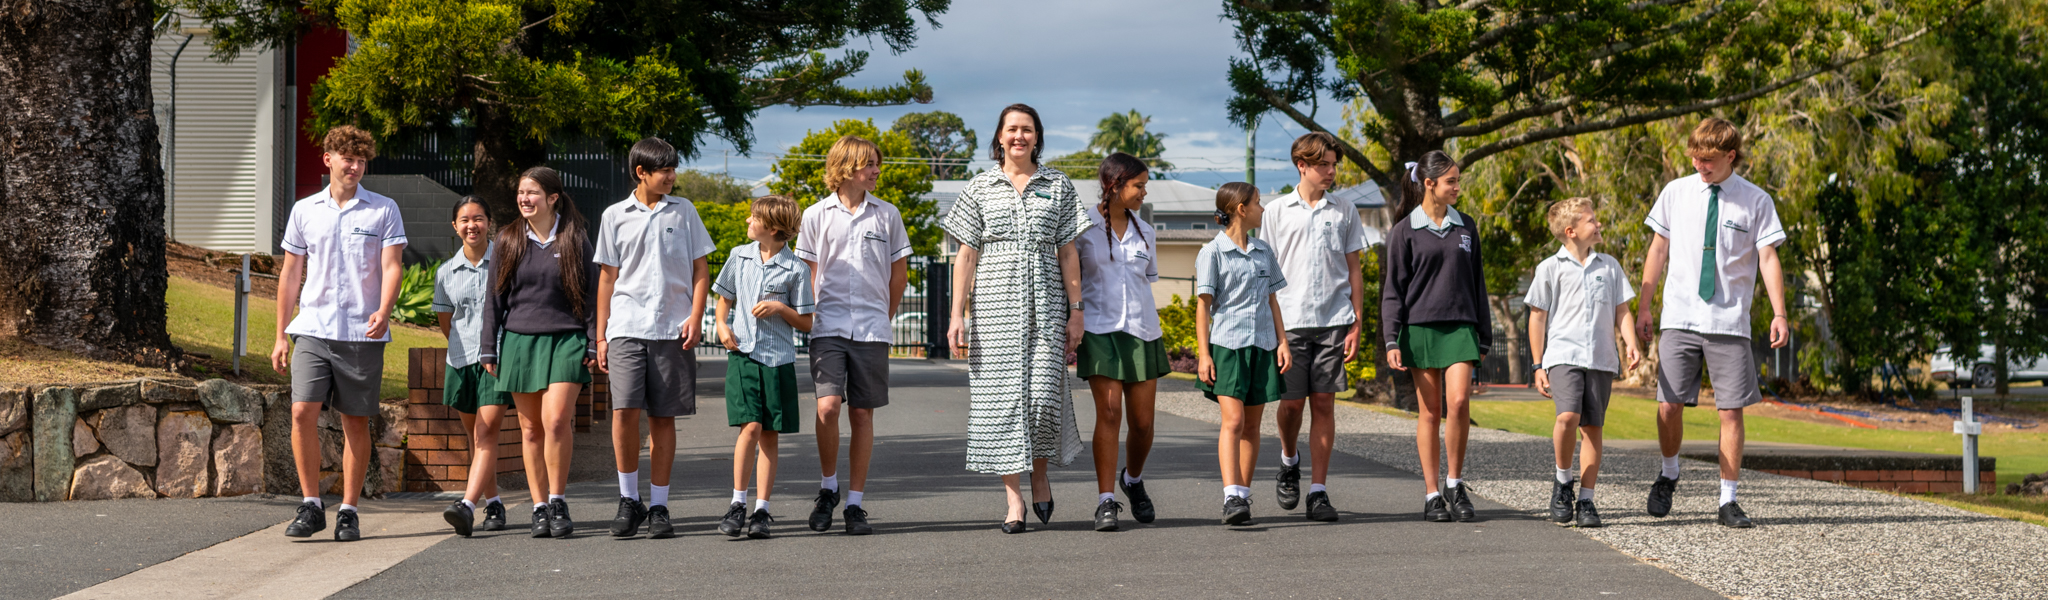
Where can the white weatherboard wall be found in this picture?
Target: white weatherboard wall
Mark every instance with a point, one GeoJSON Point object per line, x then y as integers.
{"type": "Point", "coordinates": [228, 160]}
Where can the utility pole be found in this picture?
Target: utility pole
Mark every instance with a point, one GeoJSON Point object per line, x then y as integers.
{"type": "Point", "coordinates": [1251, 146]}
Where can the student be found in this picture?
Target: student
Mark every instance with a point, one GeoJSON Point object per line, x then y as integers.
{"type": "Point", "coordinates": [540, 316]}
{"type": "Point", "coordinates": [1317, 243]}
{"type": "Point", "coordinates": [1240, 355]}
{"type": "Point", "coordinates": [1437, 321]}
{"type": "Point", "coordinates": [459, 290]}
{"type": "Point", "coordinates": [858, 253]}
{"type": "Point", "coordinates": [760, 371]}
{"type": "Point", "coordinates": [1121, 354]}
{"type": "Point", "coordinates": [345, 245]}
{"type": "Point", "coordinates": [1578, 300]}
{"type": "Point", "coordinates": [653, 276]}
{"type": "Point", "coordinates": [1717, 232]}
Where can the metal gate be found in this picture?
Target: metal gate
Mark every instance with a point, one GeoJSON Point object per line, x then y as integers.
{"type": "Point", "coordinates": [918, 328]}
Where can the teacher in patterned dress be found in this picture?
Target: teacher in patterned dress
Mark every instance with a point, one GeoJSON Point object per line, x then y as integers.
{"type": "Point", "coordinates": [1019, 277]}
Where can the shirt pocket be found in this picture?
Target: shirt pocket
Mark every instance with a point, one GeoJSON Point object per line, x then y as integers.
{"type": "Point", "coordinates": [873, 247]}
{"type": "Point", "coordinates": [1328, 238]}
{"type": "Point", "coordinates": [1597, 293]}
{"type": "Point", "coordinates": [1733, 232]}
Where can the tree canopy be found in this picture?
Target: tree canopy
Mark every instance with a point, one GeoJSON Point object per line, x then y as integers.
{"type": "Point", "coordinates": [941, 138]}
{"type": "Point", "coordinates": [1125, 132]}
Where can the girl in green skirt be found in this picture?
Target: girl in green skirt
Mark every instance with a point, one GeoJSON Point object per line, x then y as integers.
{"type": "Point", "coordinates": [1437, 322]}
{"type": "Point", "coordinates": [459, 291]}
{"type": "Point", "coordinates": [1237, 325]}
{"type": "Point", "coordinates": [1121, 354]}
{"type": "Point", "coordinates": [543, 301]}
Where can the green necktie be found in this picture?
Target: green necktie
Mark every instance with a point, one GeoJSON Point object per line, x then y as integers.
{"type": "Point", "coordinates": [1707, 261]}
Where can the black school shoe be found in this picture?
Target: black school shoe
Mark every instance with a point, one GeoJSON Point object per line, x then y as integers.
{"type": "Point", "coordinates": [1588, 516]}
{"type": "Point", "coordinates": [658, 527]}
{"type": "Point", "coordinates": [1461, 503]}
{"type": "Point", "coordinates": [311, 520]}
{"type": "Point", "coordinates": [821, 514]}
{"type": "Point", "coordinates": [1141, 502]}
{"type": "Point", "coordinates": [540, 521]}
{"type": "Point", "coordinates": [494, 516]}
{"type": "Point", "coordinates": [1435, 510]}
{"type": "Point", "coordinates": [347, 530]}
{"type": "Point", "coordinates": [734, 521]}
{"type": "Point", "coordinates": [559, 523]}
{"type": "Point", "coordinates": [1319, 508]}
{"type": "Point", "coordinates": [1732, 516]}
{"type": "Point", "coordinates": [1660, 495]}
{"type": "Point", "coordinates": [459, 516]}
{"type": "Point", "coordinates": [757, 525]}
{"type": "Point", "coordinates": [857, 520]}
{"type": "Point", "coordinates": [631, 514]}
{"type": "Point", "coordinates": [1561, 499]}
{"type": "Point", "coordinates": [1237, 511]}
{"type": "Point", "coordinates": [1288, 491]}
{"type": "Point", "coordinates": [1105, 515]}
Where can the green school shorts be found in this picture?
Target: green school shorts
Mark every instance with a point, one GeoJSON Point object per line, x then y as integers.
{"type": "Point", "coordinates": [1250, 374]}
{"type": "Point", "coordinates": [1438, 345]}
{"type": "Point", "coordinates": [757, 393]}
{"type": "Point", "coordinates": [1122, 357]}
{"type": "Point", "coordinates": [529, 363]}
{"type": "Point", "coordinates": [466, 388]}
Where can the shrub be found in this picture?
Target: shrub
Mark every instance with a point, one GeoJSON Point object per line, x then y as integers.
{"type": "Point", "coordinates": [415, 303]}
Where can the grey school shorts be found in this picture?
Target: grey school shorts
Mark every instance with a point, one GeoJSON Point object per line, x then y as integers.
{"type": "Point", "coordinates": [858, 372]}
{"type": "Point", "coordinates": [344, 376]}
{"type": "Point", "coordinates": [1318, 367]}
{"type": "Point", "coordinates": [657, 376]}
{"type": "Point", "coordinates": [1583, 391]}
{"type": "Point", "coordinates": [1680, 354]}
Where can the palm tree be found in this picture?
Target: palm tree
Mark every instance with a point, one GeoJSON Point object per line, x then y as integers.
{"type": "Point", "coordinates": [1125, 132]}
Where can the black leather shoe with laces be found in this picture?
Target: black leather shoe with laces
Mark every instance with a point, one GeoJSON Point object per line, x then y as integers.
{"type": "Point", "coordinates": [1141, 502]}
{"type": "Point", "coordinates": [460, 516]}
{"type": "Point", "coordinates": [1732, 516]}
{"type": "Point", "coordinates": [1588, 516]}
{"type": "Point", "coordinates": [1105, 515]}
{"type": "Point", "coordinates": [1289, 489]}
{"type": "Point", "coordinates": [821, 513]}
{"type": "Point", "coordinates": [735, 519]}
{"type": "Point", "coordinates": [559, 523]}
{"type": "Point", "coordinates": [631, 514]}
{"type": "Point", "coordinates": [857, 520]}
{"type": "Point", "coordinates": [1461, 503]}
{"type": "Point", "coordinates": [540, 521]}
{"type": "Point", "coordinates": [494, 516]}
{"type": "Point", "coordinates": [1561, 499]}
{"type": "Point", "coordinates": [1319, 508]}
{"type": "Point", "coordinates": [658, 526]}
{"type": "Point", "coordinates": [1237, 511]}
{"type": "Point", "coordinates": [346, 528]}
{"type": "Point", "coordinates": [311, 520]}
{"type": "Point", "coordinates": [757, 525]}
{"type": "Point", "coordinates": [1660, 496]}
{"type": "Point", "coordinates": [1435, 510]}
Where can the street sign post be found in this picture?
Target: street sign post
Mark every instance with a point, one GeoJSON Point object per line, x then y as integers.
{"type": "Point", "coordinates": [1969, 428]}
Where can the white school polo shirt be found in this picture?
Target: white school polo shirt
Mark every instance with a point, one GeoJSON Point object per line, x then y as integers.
{"type": "Point", "coordinates": [852, 253]}
{"type": "Point", "coordinates": [1748, 223]}
{"type": "Point", "coordinates": [459, 290]}
{"type": "Point", "coordinates": [1311, 244]}
{"type": "Point", "coordinates": [1580, 299]}
{"type": "Point", "coordinates": [344, 250]}
{"type": "Point", "coordinates": [655, 250]}
{"type": "Point", "coordinates": [1238, 280]}
{"type": "Point", "coordinates": [1117, 277]}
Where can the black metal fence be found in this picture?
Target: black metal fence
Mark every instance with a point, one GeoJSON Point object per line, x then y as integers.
{"type": "Point", "coordinates": [593, 173]}
{"type": "Point", "coordinates": [917, 330]}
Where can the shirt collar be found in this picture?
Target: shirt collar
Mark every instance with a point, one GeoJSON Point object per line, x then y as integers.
{"type": "Point", "coordinates": [832, 201]}
{"type": "Point", "coordinates": [658, 204]}
{"type": "Point", "coordinates": [1419, 219]}
{"type": "Point", "coordinates": [462, 260]}
{"type": "Point", "coordinates": [1565, 254]}
{"type": "Point", "coordinates": [1251, 244]}
{"type": "Point", "coordinates": [1726, 184]}
{"type": "Point", "coordinates": [327, 197]}
{"type": "Point", "coordinates": [551, 231]}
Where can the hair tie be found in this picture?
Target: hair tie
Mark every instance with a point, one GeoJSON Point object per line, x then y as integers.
{"type": "Point", "coordinates": [1411, 173]}
{"type": "Point", "coordinates": [1222, 218]}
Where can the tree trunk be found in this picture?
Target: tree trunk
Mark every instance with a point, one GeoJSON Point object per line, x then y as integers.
{"type": "Point", "coordinates": [80, 181]}
{"type": "Point", "coordinates": [502, 153]}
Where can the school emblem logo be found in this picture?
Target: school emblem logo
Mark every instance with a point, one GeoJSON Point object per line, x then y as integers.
{"type": "Point", "coordinates": [671, 230]}
{"type": "Point", "coordinates": [1464, 242]}
{"type": "Point", "coordinates": [1731, 224]}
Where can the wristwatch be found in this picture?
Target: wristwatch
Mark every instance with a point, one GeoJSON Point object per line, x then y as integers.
{"type": "Point", "coordinates": [1073, 306]}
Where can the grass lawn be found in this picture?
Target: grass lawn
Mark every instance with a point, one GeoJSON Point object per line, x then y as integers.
{"type": "Point", "coordinates": [202, 320]}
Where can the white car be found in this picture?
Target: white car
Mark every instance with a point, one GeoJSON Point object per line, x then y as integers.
{"type": "Point", "coordinates": [1981, 374]}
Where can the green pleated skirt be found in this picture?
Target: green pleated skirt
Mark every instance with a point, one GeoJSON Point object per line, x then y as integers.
{"type": "Point", "coordinates": [1438, 345]}
{"type": "Point", "coordinates": [1121, 356]}
{"type": "Point", "coordinates": [1250, 374]}
{"type": "Point", "coordinates": [529, 363]}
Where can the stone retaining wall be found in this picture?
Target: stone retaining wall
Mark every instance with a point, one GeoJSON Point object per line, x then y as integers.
{"type": "Point", "coordinates": [151, 438]}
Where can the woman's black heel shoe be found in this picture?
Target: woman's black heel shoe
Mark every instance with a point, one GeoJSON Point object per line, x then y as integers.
{"type": "Point", "coordinates": [1043, 509]}
{"type": "Point", "coordinates": [1013, 527]}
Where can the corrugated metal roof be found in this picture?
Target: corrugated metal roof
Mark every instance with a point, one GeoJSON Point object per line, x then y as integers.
{"type": "Point", "coordinates": [223, 160]}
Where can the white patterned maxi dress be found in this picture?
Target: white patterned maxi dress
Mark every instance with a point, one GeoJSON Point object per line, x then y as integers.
{"type": "Point", "coordinates": [1020, 407]}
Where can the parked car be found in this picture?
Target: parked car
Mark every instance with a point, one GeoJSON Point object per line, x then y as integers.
{"type": "Point", "coordinates": [1980, 373]}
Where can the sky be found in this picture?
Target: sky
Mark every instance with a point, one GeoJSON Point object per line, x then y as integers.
{"type": "Point", "coordinates": [1076, 61]}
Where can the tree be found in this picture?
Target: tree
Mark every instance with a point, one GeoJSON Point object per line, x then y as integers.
{"type": "Point", "coordinates": [801, 176]}
{"type": "Point", "coordinates": [715, 188]}
{"type": "Point", "coordinates": [81, 180]}
{"type": "Point", "coordinates": [1079, 166]}
{"type": "Point", "coordinates": [1436, 73]}
{"type": "Point", "coordinates": [727, 225]}
{"type": "Point", "coordinates": [525, 71]}
{"type": "Point", "coordinates": [940, 137]}
{"type": "Point", "coordinates": [1125, 132]}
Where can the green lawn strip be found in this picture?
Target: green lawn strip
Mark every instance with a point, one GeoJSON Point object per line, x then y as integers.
{"type": "Point", "coordinates": [202, 319]}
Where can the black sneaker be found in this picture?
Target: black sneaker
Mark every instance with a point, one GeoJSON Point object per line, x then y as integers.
{"type": "Point", "coordinates": [1289, 489]}
{"type": "Point", "coordinates": [559, 523]}
{"type": "Point", "coordinates": [1588, 516]}
{"type": "Point", "coordinates": [631, 514]}
{"type": "Point", "coordinates": [1660, 495]}
{"type": "Point", "coordinates": [734, 521]}
{"type": "Point", "coordinates": [1237, 511]}
{"type": "Point", "coordinates": [1319, 508]}
{"type": "Point", "coordinates": [1105, 515]}
{"type": "Point", "coordinates": [311, 520]}
{"type": "Point", "coordinates": [658, 526]}
{"type": "Point", "coordinates": [494, 516]}
{"type": "Point", "coordinates": [857, 520]}
{"type": "Point", "coordinates": [757, 525]}
{"type": "Point", "coordinates": [1435, 510]}
{"type": "Point", "coordinates": [1561, 499]}
{"type": "Point", "coordinates": [460, 516]}
{"type": "Point", "coordinates": [821, 514]}
{"type": "Point", "coordinates": [346, 529]}
{"type": "Point", "coordinates": [1731, 516]}
{"type": "Point", "coordinates": [1461, 503]}
{"type": "Point", "coordinates": [540, 521]}
{"type": "Point", "coordinates": [1141, 502]}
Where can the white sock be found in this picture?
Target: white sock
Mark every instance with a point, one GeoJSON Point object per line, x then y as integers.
{"type": "Point", "coordinates": [1727, 487]}
{"type": "Point", "coordinates": [1564, 475]}
{"type": "Point", "coordinates": [1727, 491]}
{"type": "Point", "coordinates": [829, 482]}
{"type": "Point", "coordinates": [315, 501]}
{"type": "Point", "coordinates": [1105, 497]}
{"type": "Point", "coordinates": [1430, 496]}
{"type": "Point", "coordinates": [1237, 490]}
{"type": "Point", "coordinates": [739, 496]}
{"type": "Point", "coordinates": [554, 497]}
{"type": "Point", "coordinates": [1289, 461]}
{"type": "Point", "coordinates": [760, 504]}
{"type": "Point", "coordinates": [471, 505]}
{"type": "Point", "coordinates": [629, 484]}
{"type": "Point", "coordinates": [1451, 483]}
{"type": "Point", "coordinates": [657, 495]}
{"type": "Point", "coordinates": [1130, 479]}
{"type": "Point", "coordinates": [1316, 487]}
{"type": "Point", "coordinates": [1671, 468]}
{"type": "Point", "coordinates": [494, 500]}
{"type": "Point", "coordinates": [1586, 493]}
{"type": "Point", "coordinates": [853, 498]}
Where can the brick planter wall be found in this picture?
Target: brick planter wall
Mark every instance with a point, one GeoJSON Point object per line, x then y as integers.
{"type": "Point", "coordinates": [437, 447]}
{"type": "Point", "coordinates": [1906, 472]}
{"type": "Point", "coordinates": [1895, 480]}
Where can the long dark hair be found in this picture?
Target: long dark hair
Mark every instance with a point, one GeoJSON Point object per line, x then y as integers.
{"type": "Point", "coordinates": [466, 201]}
{"type": "Point", "coordinates": [1115, 172]}
{"type": "Point", "coordinates": [995, 146]}
{"type": "Point", "coordinates": [1430, 166]}
{"type": "Point", "coordinates": [571, 237]}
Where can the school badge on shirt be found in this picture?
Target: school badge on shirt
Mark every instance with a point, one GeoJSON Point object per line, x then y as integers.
{"type": "Point", "coordinates": [1464, 242]}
